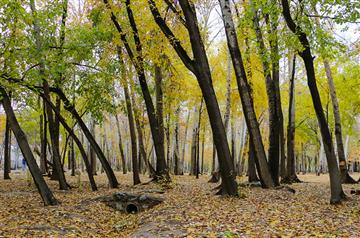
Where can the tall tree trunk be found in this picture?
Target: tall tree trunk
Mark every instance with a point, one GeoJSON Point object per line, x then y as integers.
{"type": "Point", "coordinates": [46, 194]}
{"type": "Point", "coordinates": [291, 176]}
{"type": "Point", "coordinates": [168, 143]}
{"type": "Point", "coordinates": [123, 163]}
{"type": "Point", "coordinates": [337, 193]}
{"type": "Point", "coordinates": [140, 132]}
{"type": "Point", "coordinates": [243, 153]}
{"type": "Point", "coordinates": [72, 156]}
{"type": "Point", "coordinates": [345, 177]}
{"type": "Point", "coordinates": [201, 69]}
{"type": "Point", "coordinates": [176, 149]}
{"type": "Point", "coordinates": [138, 62]}
{"type": "Point", "coordinates": [43, 139]}
{"type": "Point", "coordinates": [233, 145]}
{"type": "Point", "coordinates": [197, 159]}
{"type": "Point", "coordinates": [92, 154]}
{"type": "Point", "coordinates": [228, 93]}
{"type": "Point", "coordinates": [274, 45]}
{"type": "Point", "coordinates": [246, 99]}
{"type": "Point", "coordinates": [52, 127]}
{"type": "Point", "coordinates": [130, 115]}
{"type": "Point", "coordinates": [184, 144]}
{"type": "Point", "coordinates": [251, 165]}
{"type": "Point", "coordinates": [71, 108]}
{"type": "Point", "coordinates": [202, 150]}
{"type": "Point", "coordinates": [194, 142]}
{"type": "Point", "coordinates": [7, 149]}
{"type": "Point", "coordinates": [160, 162]}
{"type": "Point", "coordinates": [273, 152]}
{"type": "Point", "coordinates": [77, 141]}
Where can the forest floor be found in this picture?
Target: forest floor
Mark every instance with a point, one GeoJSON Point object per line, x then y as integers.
{"type": "Point", "coordinates": [190, 209]}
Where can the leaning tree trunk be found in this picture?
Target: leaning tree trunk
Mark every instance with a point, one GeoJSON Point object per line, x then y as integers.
{"type": "Point", "coordinates": [105, 164]}
{"type": "Point", "coordinates": [138, 62]}
{"type": "Point", "coordinates": [337, 193]}
{"type": "Point", "coordinates": [345, 177]}
{"type": "Point", "coordinates": [201, 69]}
{"type": "Point", "coordinates": [46, 194]}
{"type": "Point", "coordinates": [130, 115]}
{"type": "Point", "coordinates": [246, 99]}
{"type": "Point", "coordinates": [72, 157]}
{"type": "Point", "coordinates": [58, 170]}
{"type": "Point", "coordinates": [92, 154]}
{"type": "Point", "coordinates": [251, 165]}
{"type": "Point", "coordinates": [142, 151]}
{"type": "Point", "coordinates": [78, 143]}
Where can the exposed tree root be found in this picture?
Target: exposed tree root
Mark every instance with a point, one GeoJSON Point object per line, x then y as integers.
{"type": "Point", "coordinates": [347, 179]}
{"type": "Point", "coordinates": [215, 177]}
{"type": "Point", "coordinates": [290, 180]}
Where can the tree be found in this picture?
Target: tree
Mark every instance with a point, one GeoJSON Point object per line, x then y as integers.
{"type": "Point", "coordinates": [45, 192]}
{"type": "Point", "coordinates": [138, 62]}
{"type": "Point", "coordinates": [129, 109]}
{"type": "Point", "coordinates": [337, 193]}
{"type": "Point", "coordinates": [290, 175]}
{"type": "Point", "coordinates": [246, 99]}
{"type": "Point", "coordinates": [274, 119]}
{"type": "Point", "coordinates": [199, 66]}
{"type": "Point", "coordinates": [7, 150]}
{"type": "Point", "coordinates": [345, 177]}
{"type": "Point", "coordinates": [57, 166]}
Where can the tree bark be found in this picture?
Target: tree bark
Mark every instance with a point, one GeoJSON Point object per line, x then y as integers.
{"type": "Point", "coordinates": [201, 69]}
{"type": "Point", "coordinates": [176, 149]}
{"type": "Point", "coordinates": [46, 194]}
{"type": "Point", "coordinates": [160, 162]}
{"type": "Point", "coordinates": [251, 165]}
{"type": "Point", "coordinates": [345, 177]}
{"type": "Point", "coordinates": [194, 142]}
{"type": "Point", "coordinates": [274, 136]}
{"type": "Point", "coordinates": [43, 139]}
{"type": "Point", "coordinates": [290, 175]}
{"type": "Point", "coordinates": [246, 99]}
{"type": "Point", "coordinates": [72, 156]}
{"type": "Point", "coordinates": [130, 115]}
{"type": "Point", "coordinates": [337, 193]}
{"type": "Point", "coordinates": [7, 149]}
{"type": "Point", "coordinates": [77, 141]}
{"type": "Point", "coordinates": [122, 155]}
{"type": "Point", "coordinates": [71, 108]}
{"type": "Point", "coordinates": [58, 172]}
{"type": "Point", "coordinates": [92, 154]}
{"type": "Point", "coordinates": [168, 142]}
{"type": "Point", "coordinates": [184, 144]}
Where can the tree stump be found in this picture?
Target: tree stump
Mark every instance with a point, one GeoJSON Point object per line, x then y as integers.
{"type": "Point", "coordinates": [132, 203]}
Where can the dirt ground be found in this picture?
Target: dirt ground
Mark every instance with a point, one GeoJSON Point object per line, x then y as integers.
{"type": "Point", "coordinates": [190, 209]}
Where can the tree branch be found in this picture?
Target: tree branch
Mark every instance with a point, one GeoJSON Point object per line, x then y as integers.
{"type": "Point", "coordinates": [175, 43]}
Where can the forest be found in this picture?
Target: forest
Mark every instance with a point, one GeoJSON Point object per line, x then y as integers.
{"type": "Point", "coordinates": [179, 118]}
